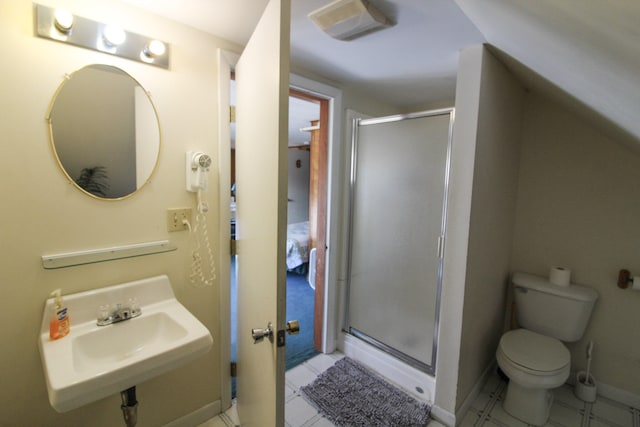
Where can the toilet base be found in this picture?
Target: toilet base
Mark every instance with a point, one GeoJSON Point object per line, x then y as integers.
{"type": "Point", "coordinates": [531, 405]}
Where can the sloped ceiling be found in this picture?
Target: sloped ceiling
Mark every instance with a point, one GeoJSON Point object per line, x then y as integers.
{"type": "Point", "coordinates": [589, 49]}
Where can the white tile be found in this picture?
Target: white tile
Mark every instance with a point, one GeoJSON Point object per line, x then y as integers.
{"type": "Point", "coordinates": [567, 409]}
{"type": "Point", "coordinates": [289, 392]}
{"type": "Point", "coordinates": [470, 418]}
{"type": "Point", "coordinates": [496, 423]}
{"type": "Point", "coordinates": [297, 412]}
{"type": "Point", "coordinates": [337, 355]}
{"type": "Point", "coordinates": [499, 414]}
{"type": "Point", "coordinates": [299, 376]}
{"type": "Point", "coordinates": [608, 410]}
{"type": "Point", "coordinates": [565, 415]}
{"type": "Point", "coordinates": [323, 422]}
{"type": "Point", "coordinates": [493, 382]}
{"type": "Point", "coordinates": [481, 401]}
{"type": "Point", "coordinates": [594, 422]}
{"type": "Point", "coordinates": [566, 395]}
{"type": "Point", "coordinates": [231, 414]}
{"type": "Point", "coordinates": [322, 362]}
{"type": "Point", "coordinates": [213, 422]}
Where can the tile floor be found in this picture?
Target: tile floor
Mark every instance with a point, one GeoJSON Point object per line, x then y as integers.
{"type": "Point", "coordinates": [298, 413]}
{"type": "Point", "coordinates": [567, 410]}
{"type": "Point", "coordinates": [486, 410]}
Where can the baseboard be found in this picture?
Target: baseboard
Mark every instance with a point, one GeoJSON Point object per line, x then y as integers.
{"type": "Point", "coordinates": [475, 391]}
{"type": "Point", "coordinates": [443, 416]}
{"type": "Point", "coordinates": [199, 416]}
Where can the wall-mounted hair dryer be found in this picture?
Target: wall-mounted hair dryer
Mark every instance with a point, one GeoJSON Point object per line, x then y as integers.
{"type": "Point", "coordinates": [197, 168]}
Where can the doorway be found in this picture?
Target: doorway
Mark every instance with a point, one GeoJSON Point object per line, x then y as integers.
{"type": "Point", "coordinates": [306, 224]}
{"type": "Point", "coordinates": [337, 151]}
{"type": "Point", "coordinates": [317, 146]}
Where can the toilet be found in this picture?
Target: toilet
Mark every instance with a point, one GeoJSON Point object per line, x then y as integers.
{"type": "Point", "coordinates": [534, 356]}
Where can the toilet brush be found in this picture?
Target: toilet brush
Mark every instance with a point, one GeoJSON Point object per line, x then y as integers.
{"type": "Point", "coordinates": [585, 382]}
{"type": "Point", "coordinates": [589, 380]}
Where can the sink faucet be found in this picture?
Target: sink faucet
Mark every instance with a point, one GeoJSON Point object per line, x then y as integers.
{"type": "Point", "coordinates": [107, 316]}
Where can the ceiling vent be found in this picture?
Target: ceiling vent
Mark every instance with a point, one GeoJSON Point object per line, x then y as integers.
{"type": "Point", "coordinates": [349, 19]}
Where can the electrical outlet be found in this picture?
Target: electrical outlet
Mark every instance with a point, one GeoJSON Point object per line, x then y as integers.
{"type": "Point", "coordinates": [176, 216]}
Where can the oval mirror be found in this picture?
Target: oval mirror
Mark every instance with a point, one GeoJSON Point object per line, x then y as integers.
{"type": "Point", "coordinates": [104, 131]}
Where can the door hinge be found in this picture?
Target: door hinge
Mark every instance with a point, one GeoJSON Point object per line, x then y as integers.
{"type": "Point", "coordinates": [232, 247]}
{"type": "Point", "coordinates": [234, 369]}
{"type": "Point", "coordinates": [440, 246]}
{"type": "Point", "coordinates": [232, 114]}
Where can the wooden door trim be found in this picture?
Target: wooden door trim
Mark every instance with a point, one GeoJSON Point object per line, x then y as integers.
{"type": "Point", "coordinates": [318, 177]}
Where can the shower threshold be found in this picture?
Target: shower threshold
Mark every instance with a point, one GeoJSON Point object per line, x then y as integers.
{"type": "Point", "coordinates": [417, 382]}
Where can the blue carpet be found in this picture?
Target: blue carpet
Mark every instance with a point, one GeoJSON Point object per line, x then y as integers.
{"type": "Point", "coordinates": [300, 303]}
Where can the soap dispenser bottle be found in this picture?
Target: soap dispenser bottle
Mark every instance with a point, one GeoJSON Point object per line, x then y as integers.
{"type": "Point", "coordinates": [59, 325]}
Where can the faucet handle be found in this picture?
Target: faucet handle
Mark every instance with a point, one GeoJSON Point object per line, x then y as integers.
{"type": "Point", "coordinates": [134, 305]}
{"type": "Point", "coordinates": [104, 312]}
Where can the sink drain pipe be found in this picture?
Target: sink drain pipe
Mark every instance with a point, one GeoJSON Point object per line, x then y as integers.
{"type": "Point", "coordinates": [129, 406]}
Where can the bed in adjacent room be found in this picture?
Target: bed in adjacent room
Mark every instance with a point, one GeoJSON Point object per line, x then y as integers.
{"type": "Point", "coordinates": [297, 245]}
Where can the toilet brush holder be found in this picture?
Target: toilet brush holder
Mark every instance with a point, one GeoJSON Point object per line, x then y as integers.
{"type": "Point", "coordinates": [585, 387]}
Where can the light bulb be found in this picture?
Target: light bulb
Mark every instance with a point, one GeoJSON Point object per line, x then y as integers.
{"type": "Point", "coordinates": [156, 48]}
{"type": "Point", "coordinates": [63, 21]}
{"type": "Point", "coordinates": [114, 35]}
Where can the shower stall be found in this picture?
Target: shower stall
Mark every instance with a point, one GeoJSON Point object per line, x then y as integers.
{"type": "Point", "coordinates": [398, 201]}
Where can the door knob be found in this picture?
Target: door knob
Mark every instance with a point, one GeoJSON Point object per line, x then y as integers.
{"type": "Point", "coordinates": [293, 327]}
{"type": "Point", "coordinates": [259, 334]}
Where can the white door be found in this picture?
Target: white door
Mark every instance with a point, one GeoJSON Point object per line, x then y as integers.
{"type": "Point", "coordinates": [262, 97]}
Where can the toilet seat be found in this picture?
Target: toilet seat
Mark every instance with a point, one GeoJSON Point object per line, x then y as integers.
{"type": "Point", "coordinates": [534, 353]}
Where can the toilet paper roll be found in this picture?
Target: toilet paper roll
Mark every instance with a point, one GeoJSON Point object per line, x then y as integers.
{"type": "Point", "coordinates": [561, 276]}
{"type": "Point", "coordinates": [636, 283]}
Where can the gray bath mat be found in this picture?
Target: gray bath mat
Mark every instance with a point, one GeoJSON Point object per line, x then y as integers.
{"type": "Point", "coordinates": [350, 395]}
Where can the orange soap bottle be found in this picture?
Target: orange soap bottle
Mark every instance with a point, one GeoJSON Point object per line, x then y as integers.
{"type": "Point", "coordinates": [59, 325]}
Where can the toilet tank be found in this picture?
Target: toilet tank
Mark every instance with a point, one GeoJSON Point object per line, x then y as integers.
{"type": "Point", "coordinates": [561, 312]}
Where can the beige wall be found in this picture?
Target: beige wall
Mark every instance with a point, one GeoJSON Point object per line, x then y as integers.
{"type": "Point", "coordinates": [493, 200]}
{"type": "Point", "coordinates": [457, 232]}
{"type": "Point", "coordinates": [481, 214]}
{"type": "Point", "coordinates": [579, 206]}
{"type": "Point", "coordinates": [45, 214]}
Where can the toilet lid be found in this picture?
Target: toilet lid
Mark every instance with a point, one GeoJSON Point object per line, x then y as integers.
{"type": "Point", "coordinates": [534, 351]}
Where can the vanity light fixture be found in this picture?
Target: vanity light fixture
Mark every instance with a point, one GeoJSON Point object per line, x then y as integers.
{"type": "Point", "coordinates": [63, 26]}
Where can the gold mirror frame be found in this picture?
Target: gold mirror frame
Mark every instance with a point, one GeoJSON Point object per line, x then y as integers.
{"type": "Point", "coordinates": [79, 122]}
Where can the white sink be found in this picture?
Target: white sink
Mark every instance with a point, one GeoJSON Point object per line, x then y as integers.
{"type": "Point", "coordinates": [93, 362]}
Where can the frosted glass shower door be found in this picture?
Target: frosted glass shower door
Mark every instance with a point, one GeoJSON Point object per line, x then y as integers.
{"type": "Point", "coordinates": [398, 199]}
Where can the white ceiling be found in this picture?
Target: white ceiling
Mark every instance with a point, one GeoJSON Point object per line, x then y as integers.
{"type": "Point", "coordinates": [411, 63]}
{"type": "Point", "coordinates": [588, 49]}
